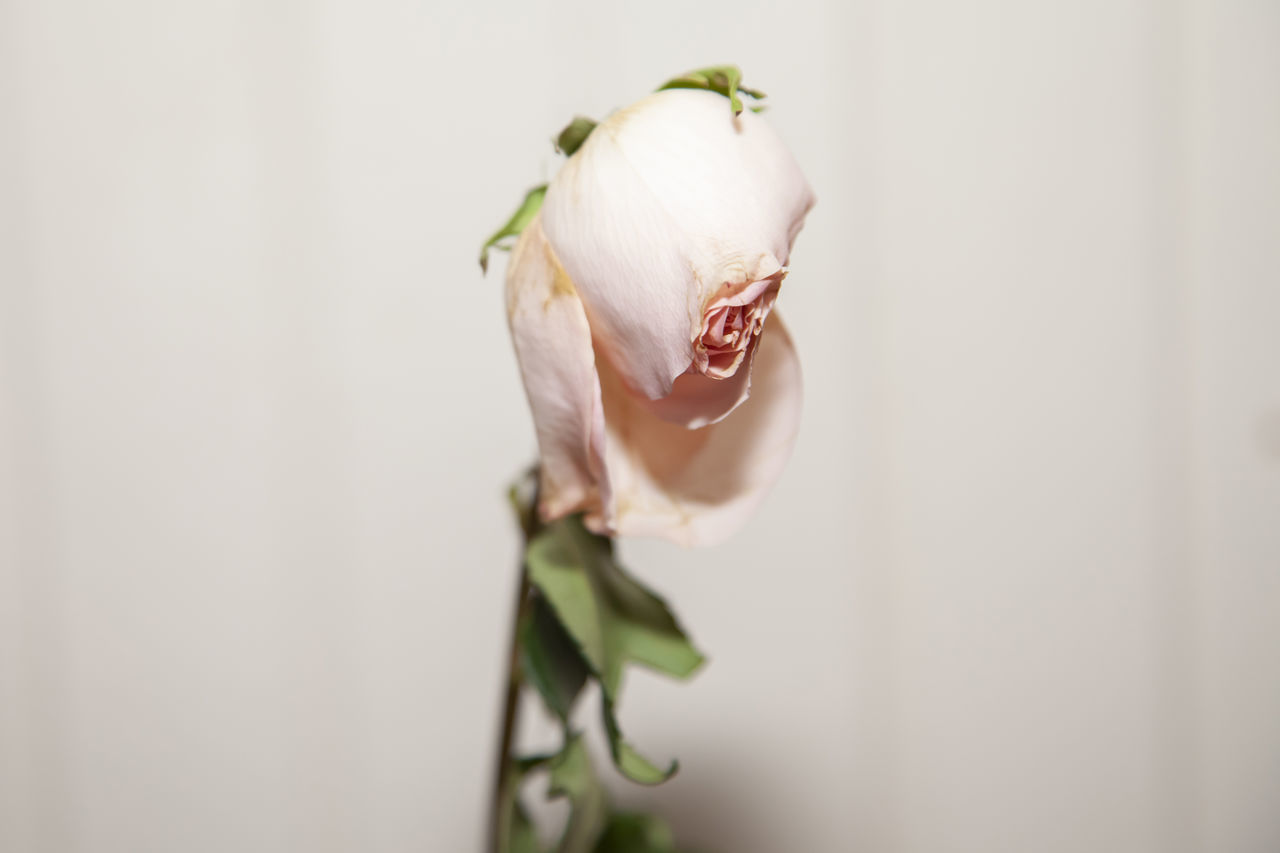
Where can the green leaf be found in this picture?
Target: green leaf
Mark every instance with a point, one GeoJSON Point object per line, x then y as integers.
{"type": "Point", "coordinates": [551, 661]}
{"type": "Point", "coordinates": [612, 619]}
{"type": "Point", "coordinates": [629, 762]}
{"type": "Point", "coordinates": [574, 134]}
{"type": "Point", "coordinates": [723, 79]}
{"type": "Point", "coordinates": [523, 216]}
{"type": "Point", "coordinates": [609, 614]}
{"type": "Point", "coordinates": [573, 777]}
{"type": "Point", "coordinates": [522, 837]}
{"type": "Point", "coordinates": [516, 833]}
{"type": "Point", "coordinates": [526, 764]}
{"type": "Point", "coordinates": [636, 833]}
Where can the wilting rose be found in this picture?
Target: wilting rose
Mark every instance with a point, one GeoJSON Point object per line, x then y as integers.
{"type": "Point", "coordinates": [665, 389]}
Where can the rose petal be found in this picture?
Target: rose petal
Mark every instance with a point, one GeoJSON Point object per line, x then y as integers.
{"type": "Point", "coordinates": [629, 261]}
{"type": "Point", "coordinates": [696, 401]}
{"type": "Point", "coordinates": [699, 486]}
{"type": "Point", "coordinates": [553, 346]}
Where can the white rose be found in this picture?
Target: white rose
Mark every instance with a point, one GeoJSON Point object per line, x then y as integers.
{"type": "Point", "coordinates": [665, 390]}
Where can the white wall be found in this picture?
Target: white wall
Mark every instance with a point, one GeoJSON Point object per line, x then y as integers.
{"type": "Point", "coordinates": [1017, 591]}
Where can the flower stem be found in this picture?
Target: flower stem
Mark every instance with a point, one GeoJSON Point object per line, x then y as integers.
{"type": "Point", "coordinates": [503, 797]}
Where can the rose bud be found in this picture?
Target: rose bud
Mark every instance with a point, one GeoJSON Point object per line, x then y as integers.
{"type": "Point", "coordinates": [665, 389]}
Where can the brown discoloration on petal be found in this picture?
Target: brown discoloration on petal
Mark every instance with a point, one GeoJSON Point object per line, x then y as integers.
{"type": "Point", "coordinates": [561, 284]}
{"type": "Point", "coordinates": [552, 339]}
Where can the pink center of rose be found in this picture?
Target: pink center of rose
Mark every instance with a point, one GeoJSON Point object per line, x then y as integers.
{"type": "Point", "coordinates": [730, 325]}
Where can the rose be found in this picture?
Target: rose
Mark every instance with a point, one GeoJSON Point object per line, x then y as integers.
{"type": "Point", "coordinates": [665, 390]}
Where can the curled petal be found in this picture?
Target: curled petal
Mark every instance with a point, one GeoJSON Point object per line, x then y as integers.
{"type": "Point", "coordinates": [553, 346]}
{"type": "Point", "coordinates": [730, 325]}
{"type": "Point", "coordinates": [719, 380]}
{"type": "Point", "coordinates": [696, 400]}
{"type": "Point", "coordinates": [698, 486]}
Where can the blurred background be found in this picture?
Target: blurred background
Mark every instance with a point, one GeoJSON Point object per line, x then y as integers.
{"type": "Point", "coordinates": [1018, 590]}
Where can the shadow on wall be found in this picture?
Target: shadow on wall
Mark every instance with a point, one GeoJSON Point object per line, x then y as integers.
{"type": "Point", "coordinates": [717, 804]}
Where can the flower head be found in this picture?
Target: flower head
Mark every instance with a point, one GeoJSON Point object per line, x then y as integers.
{"type": "Point", "coordinates": [665, 391]}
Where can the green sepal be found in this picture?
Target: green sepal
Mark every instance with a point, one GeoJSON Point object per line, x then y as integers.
{"type": "Point", "coordinates": [574, 134]}
{"type": "Point", "coordinates": [550, 660]}
{"type": "Point", "coordinates": [723, 79]}
{"type": "Point", "coordinates": [523, 216]}
{"type": "Point", "coordinates": [573, 777]}
{"type": "Point", "coordinates": [636, 833]}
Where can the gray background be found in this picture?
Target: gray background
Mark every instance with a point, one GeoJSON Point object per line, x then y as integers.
{"type": "Point", "coordinates": [1017, 591]}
